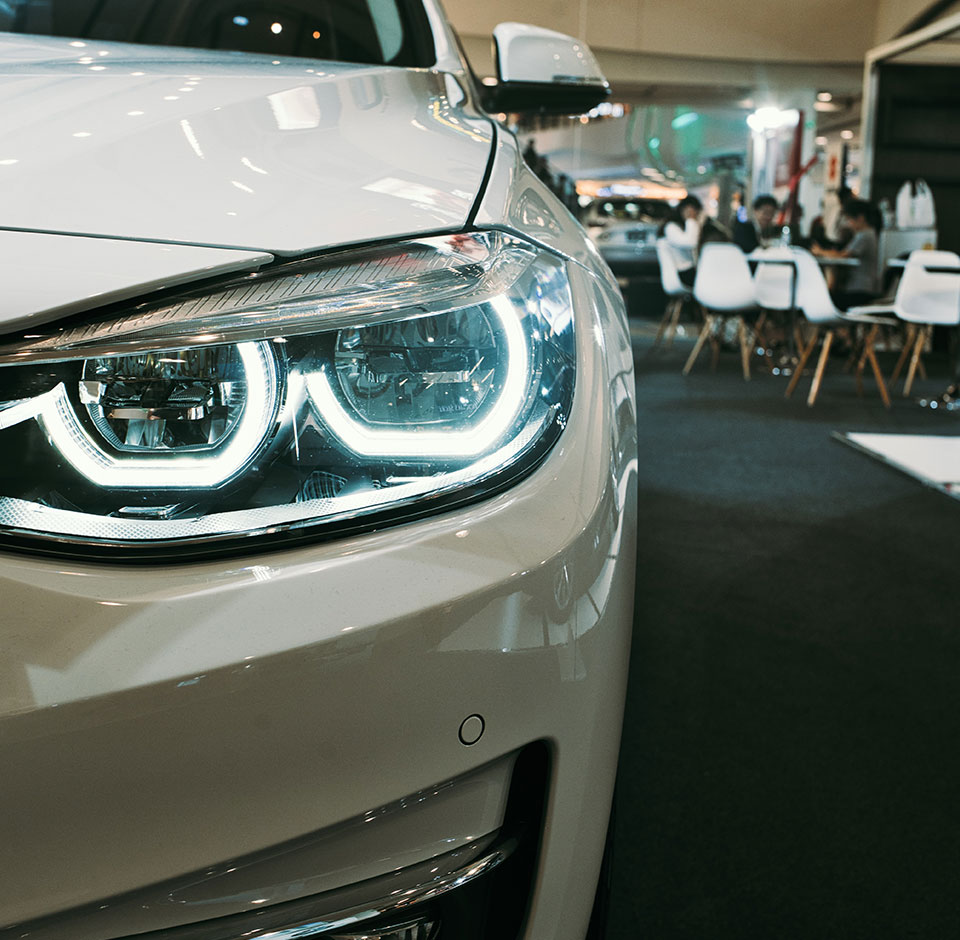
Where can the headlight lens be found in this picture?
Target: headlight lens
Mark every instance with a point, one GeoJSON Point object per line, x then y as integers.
{"type": "Point", "coordinates": [352, 390]}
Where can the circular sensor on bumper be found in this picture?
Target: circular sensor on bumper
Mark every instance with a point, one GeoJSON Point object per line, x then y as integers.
{"type": "Point", "coordinates": [471, 730]}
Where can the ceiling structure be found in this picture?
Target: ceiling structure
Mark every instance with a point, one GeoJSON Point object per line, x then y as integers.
{"type": "Point", "coordinates": [721, 57]}
{"type": "Point", "coordinates": [662, 51]}
{"type": "Point", "coordinates": [814, 32]}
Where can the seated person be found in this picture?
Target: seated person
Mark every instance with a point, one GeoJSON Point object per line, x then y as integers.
{"type": "Point", "coordinates": [758, 232]}
{"type": "Point", "coordinates": [861, 285]}
{"type": "Point", "coordinates": [818, 234]}
{"type": "Point", "coordinates": [682, 233]}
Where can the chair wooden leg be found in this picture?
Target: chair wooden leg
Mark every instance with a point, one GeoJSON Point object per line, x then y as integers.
{"type": "Point", "coordinates": [914, 359]}
{"type": "Point", "coordinates": [871, 354]}
{"type": "Point", "coordinates": [746, 346]}
{"type": "Point", "coordinates": [907, 343]}
{"type": "Point", "coordinates": [805, 352]}
{"type": "Point", "coordinates": [674, 321]}
{"type": "Point", "coordinates": [701, 339]}
{"type": "Point", "coordinates": [664, 320]}
{"type": "Point", "coordinates": [821, 365]}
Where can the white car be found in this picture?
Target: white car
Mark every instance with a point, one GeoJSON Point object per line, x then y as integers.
{"type": "Point", "coordinates": [625, 232]}
{"type": "Point", "coordinates": [317, 482]}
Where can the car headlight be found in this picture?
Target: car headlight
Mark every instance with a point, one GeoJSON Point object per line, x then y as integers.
{"type": "Point", "coordinates": [346, 391]}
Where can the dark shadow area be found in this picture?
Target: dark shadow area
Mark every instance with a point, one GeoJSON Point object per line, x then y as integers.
{"type": "Point", "coordinates": [789, 766]}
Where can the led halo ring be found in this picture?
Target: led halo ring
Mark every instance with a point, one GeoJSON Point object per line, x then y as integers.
{"type": "Point", "coordinates": [56, 415]}
{"type": "Point", "coordinates": [469, 442]}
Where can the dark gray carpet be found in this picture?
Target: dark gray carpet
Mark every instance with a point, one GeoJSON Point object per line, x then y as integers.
{"type": "Point", "coordinates": [790, 763]}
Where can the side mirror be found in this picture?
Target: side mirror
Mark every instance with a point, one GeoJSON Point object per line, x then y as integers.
{"type": "Point", "coordinates": [543, 71]}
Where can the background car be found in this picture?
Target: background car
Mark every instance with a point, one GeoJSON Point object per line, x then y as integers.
{"type": "Point", "coordinates": [318, 502]}
{"type": "Point", "coordinates": [625, 232]}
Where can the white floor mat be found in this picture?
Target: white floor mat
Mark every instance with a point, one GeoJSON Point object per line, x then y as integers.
{"type": "Point", "coordinates": [932, 459]}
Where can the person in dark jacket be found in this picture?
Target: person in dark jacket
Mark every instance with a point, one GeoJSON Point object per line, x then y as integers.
{"type": "Point", "coordinates": [759, 231]}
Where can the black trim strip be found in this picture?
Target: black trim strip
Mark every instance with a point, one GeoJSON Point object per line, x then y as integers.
{"type": "Point", "coordinates": [487, 174]}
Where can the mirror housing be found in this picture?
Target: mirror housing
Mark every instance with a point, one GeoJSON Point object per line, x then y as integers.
{"type": "Point", "coordinates": [543, 71]}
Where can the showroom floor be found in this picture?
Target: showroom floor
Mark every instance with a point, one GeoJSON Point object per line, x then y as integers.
{"type": "Point", "coordinates": [789, 764]}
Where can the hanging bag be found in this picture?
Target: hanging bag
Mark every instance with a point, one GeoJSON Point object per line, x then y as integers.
{"type": "Point", "coordinates": [905, 206]}
{"type": "Point", "coordinates": [924, 213]}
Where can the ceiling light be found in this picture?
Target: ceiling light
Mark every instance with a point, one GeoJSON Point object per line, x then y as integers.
{"type": "Point", "coordinates": [772, 118]}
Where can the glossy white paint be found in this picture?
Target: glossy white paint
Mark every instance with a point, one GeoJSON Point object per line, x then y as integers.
{"type": "Point", "coordinates": [158, 720]}
{"type": "Point", "coordinates": [420, 825]}
{"type": "Point", "coordinates": [292, 691]}
{"type": "Point", "coordinates": [285, 155]}
{"type": "Point", "coordinates": [533, 54]}
{"type": "Point", "coordinates": [95, 271]}
{"type": "Point", "coordinates": [515, 199]}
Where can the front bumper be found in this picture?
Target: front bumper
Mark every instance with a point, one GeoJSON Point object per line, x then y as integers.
{"type": "Point", "coordinates": [157, 722]}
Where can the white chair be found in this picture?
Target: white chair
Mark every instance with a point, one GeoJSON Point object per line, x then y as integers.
{"type": "Point", "coordinates": [774, 279]}
{"type": "Point", "coordinates": [923, 300]}
{"type": "Point", "coordinates": [774, 285]}
{"type": "Point", "coordinates": [818, 308]}
{"type": "Point", "coordinates": [677, 292]}
{"type": "Point", "coordinates": [724, 288]}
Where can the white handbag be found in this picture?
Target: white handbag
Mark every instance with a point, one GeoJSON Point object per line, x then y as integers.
{"type": "Point", "coordinates": [924, 213]}
{"type": "Point", "coordinates": [905, 206]}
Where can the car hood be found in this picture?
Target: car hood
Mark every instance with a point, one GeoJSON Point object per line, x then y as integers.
{"type": "Point", "coordinates": [226, 149]}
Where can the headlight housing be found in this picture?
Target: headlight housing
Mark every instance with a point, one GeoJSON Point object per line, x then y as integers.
{"type": "Point", "coordinates": [325, 395]}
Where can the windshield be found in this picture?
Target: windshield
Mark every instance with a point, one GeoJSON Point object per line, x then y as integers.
{"type": "Point", "coordinates": [378, 32]}
{"type": "Point", "coordinates": [632, 210]}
